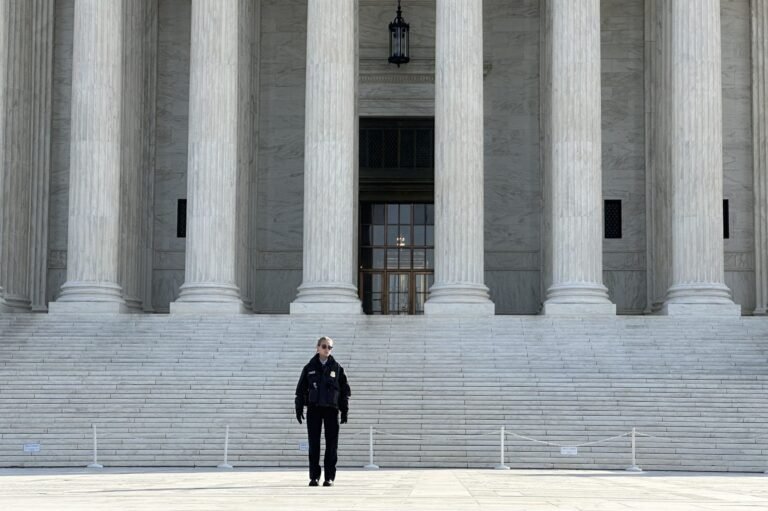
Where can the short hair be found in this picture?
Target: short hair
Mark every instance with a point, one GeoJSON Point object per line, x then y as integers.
{"type": "Point", "coordinates": [324, 338]}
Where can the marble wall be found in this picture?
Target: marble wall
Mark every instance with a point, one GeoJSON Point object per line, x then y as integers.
{"type": "Point", "coordinates": [172, 111]}
{"type": "Point", "coordinates": [513, 188]}
{"type": "Point", "coordinates": [513, 182]}
{"type": "Point", "coordinates": [280, 180]}
{"type": "Point", "coordinates": [623, 104]}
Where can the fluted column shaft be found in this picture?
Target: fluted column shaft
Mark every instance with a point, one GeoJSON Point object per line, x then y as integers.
{"type": "Point", "coordinates": [246, 149]}
{"type": "Point", "coordinates": [250, 154]}
{"type": "Point", "coordinates": [15, 152]}
{"type": "Point", "coordinates": [148, 143]}
{"type": "Point", "coordinates": [572, 159]}
{"type": "Point", "coordinates": [459, 241]}
{"type": "Point", "coordinates": [4, 29]}
{"type": "Point", "coordinates": [132, 157]}
{"type": "Point", "coordinates": [94, 187]}
{"type": "Point", "coordinates": [693, 108]}
{"type": "Point", "coordinates": [212, 170]}
{"type": "Point", "coordinates": [330, 161]}
{"type": "Point", "coordinates": [760, 145]}
{"type": "Point", "coordinates": [658, 223]}
{"type": "Point", "coordinates": [42, 34]}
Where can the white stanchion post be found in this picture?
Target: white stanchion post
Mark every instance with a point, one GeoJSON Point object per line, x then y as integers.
{"type": "Point", "coordinates": [225, 465]}
{"type": "Point", "coordinates": [501, 465]}
{"type": "Point", "coordinates": [370, 465]}
{"type": "Point", "coordinates": [634, 467]}
{"type": "Point", "coordinates": [95, 463]}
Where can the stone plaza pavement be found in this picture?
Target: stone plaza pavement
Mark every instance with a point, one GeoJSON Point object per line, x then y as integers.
{"type": "Point", "coordinates": [359, 490]}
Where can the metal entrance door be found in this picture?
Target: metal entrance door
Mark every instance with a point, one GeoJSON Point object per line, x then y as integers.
{"type": "Point", "coordinates": [396, 256]}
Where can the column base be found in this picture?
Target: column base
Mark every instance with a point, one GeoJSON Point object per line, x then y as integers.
{"type": "Point", "coordinates": [349, 308]}
{"type": "Point", "coordinates": [322, 298]}
{"type": "Point", "coordinates": [701, 309]}
{"type": "Point", "coordinates": [15, 304]}
{"type": "Point", "coordinates": [576, 299]}
{"type": "Point", "coordinates": [208, 308]}
{"type": "Point", "coordinates": [89, 297]}
{"type": "Point", "coordinates": [699, 299]}
{"type": "Point", "coordinates": [208, 298]}
{"type": "Point", "coordinates": [459, 299]}
{"type": "Point", "coordinates": [86, 307]}
{"type": "Point", "coordinates": [578, 309]}
{"type": "Point", "coordinates": [133, 305]}
{"type": "Point", "coordinates": [459, 309]}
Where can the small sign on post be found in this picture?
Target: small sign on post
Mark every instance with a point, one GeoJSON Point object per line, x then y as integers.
{"type": "Point", "coordinates": [569, 451]}
{"type": "Point", "coordinates": [30, 448]}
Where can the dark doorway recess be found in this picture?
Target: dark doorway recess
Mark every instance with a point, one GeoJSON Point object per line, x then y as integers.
{"type": "Point", "coordinates": [397, 159]}
{"type": "Point", "coordinates": [396, 240]}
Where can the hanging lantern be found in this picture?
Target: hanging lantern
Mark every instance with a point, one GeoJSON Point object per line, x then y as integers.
{"type": "Point", "coordinates": [398, 39]}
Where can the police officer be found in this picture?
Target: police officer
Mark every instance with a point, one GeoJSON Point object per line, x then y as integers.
{"type": "Point", "coordinates": [324, 390]}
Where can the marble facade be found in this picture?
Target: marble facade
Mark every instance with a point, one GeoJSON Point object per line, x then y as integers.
{"type": "Point", "coordinates": [266, 246]}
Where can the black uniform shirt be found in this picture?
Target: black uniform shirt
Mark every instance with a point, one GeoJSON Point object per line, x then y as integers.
{"type": "Point", "coordinates": [323, 385]}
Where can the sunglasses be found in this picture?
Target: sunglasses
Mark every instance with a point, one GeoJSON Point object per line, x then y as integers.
{"type": "Point", "coordinates": [326, 347]}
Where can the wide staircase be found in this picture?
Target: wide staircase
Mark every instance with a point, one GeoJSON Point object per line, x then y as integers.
{"type": "Point", "coordinates": [161, 390]}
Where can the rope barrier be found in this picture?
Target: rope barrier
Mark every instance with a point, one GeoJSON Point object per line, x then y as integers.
{"type": "Point", "coordinates": [555, 444]}
{"type": "Point", "coordinates": [654, 436]}
{"type": "Point", "coordinates": [442, 437]}
{"type": "Point", "coordinates": [503, 432]}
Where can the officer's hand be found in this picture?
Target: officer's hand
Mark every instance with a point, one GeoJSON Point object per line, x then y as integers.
{"type": "Point", "coordinates": [299, 414]}
{"type": "Point", "coordinates": [343, 417]}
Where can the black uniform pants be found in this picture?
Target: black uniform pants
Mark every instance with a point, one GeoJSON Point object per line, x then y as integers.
{"type": "Point", "coordinates": [318, 416]}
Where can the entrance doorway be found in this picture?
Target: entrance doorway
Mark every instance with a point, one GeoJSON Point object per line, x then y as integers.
{"type": "Point", "coordinates": [396, 239]}
{"type": "Point", "coordinates": [397, 248]}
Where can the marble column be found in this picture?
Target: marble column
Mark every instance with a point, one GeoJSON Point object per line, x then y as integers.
{"type": "Point", "coordinates": [459, 286]}
{"type": "Point", "coordinates": [148, 155]}
{"type": "Point", "coordinates": [132, 151]}
{"type": "Point", "coordinates": [659, 241]}
{"type": "Point", "coordinates": [760, 145]}
{"type": "Point", "coordinates": [692, 106]}
{"type": "Point", "coordinates": [42, 55]}
{"type": "Point", "coordinates": [5, 25]}
{"type": "Point", "coordinates": [245, 146]}
{"type": "Point", "coordinates": [330, 162]}
{"type": "Point", "coordinates": [94, 186]}
{"type": "Point", "coordinates": [15, 151]}
{"type": "Point", "coordinates": [210, 276]}
{"type": "Point", "coordinates": [252, 232]}
{"type": "Point", "coordinates": [572, 160]}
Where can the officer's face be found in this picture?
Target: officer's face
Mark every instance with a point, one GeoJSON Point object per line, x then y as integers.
{"type": "Point", "coordinates": [324, 348]}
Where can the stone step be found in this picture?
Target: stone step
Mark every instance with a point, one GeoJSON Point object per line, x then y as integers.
{"type": "Point", "coordinates": [161, 389]}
